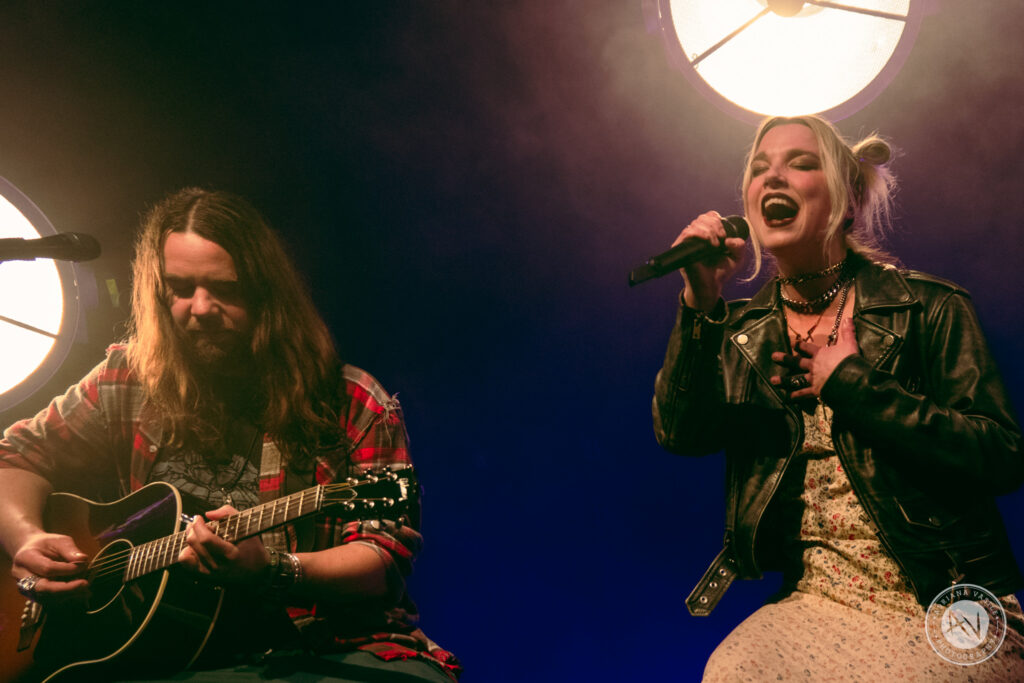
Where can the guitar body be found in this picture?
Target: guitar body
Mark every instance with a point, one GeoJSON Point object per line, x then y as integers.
{"type": "Point", "coordinates": [145, 616]}
{"type": "Point", "coordinates": [154, 625]}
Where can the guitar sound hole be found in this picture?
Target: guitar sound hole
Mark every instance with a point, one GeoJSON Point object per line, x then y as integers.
{"type": "Point", "coordinates": [106, 574]}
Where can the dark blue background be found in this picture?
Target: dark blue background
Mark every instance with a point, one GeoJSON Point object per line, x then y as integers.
{"type": "Point", "coordinates": [466, 185]}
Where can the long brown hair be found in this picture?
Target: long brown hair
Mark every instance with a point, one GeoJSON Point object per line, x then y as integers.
{"type": "Point", "coordinates": [293, 355]}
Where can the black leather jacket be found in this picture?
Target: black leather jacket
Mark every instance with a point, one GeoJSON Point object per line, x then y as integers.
{"type": "Point", "coordinates": [922, 426]}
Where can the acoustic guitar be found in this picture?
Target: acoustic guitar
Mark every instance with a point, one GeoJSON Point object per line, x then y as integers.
{"type": "Point", "coordinates": [139, 602]}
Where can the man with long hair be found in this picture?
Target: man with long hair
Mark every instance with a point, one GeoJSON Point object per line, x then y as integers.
{"type": "Point", "coordinates": [230, 389]}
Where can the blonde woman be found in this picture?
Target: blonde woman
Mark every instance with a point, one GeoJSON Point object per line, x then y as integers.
{"type": "Point", "coordinates": [852, 399]}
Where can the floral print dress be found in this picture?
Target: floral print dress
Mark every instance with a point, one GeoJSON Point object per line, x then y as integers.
{"type": "Point", "coordinates": [852, 616]}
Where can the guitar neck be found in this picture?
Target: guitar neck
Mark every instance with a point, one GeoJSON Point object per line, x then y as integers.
{"type": "Point", "coordinates": [163, 552]}
{"type": "Point", "coordinates": [258, 519]}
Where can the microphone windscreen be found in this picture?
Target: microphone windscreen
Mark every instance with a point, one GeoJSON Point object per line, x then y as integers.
{"type": "Point", "coordinates": [736, 226]}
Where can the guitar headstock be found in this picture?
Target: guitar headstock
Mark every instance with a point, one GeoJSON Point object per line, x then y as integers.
{"type": "Point", "coordinates": [374, 493]}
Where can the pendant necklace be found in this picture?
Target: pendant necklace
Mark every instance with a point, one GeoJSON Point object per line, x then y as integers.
{"type": "Point", "coordinates": [834, 334]}
{"type": "Point", "coordinates": [823, 414]}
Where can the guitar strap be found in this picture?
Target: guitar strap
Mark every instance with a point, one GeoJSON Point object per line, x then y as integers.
{"type": "Point", "coordinates": [245, 438]}
{"type": "Point", "coordinates": [241, 437]}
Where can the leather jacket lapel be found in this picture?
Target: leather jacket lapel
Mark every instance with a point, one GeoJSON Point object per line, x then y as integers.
{"type": "Point", "coordinates": [881, 330]}
{"type": "Point", "coordinates": [762, 330]}
{"type": "Point", "coordinates": [755, 342]}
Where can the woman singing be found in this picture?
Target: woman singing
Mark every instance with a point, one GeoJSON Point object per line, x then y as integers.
{"type": "Point", "coordinates": [865, 427]}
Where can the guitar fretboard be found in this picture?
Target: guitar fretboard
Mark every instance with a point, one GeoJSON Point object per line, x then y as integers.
{"type": "Point", "coordinates": [163, 552]}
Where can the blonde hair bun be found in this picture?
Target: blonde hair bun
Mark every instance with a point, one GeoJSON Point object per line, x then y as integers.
{"type": "Point", "coordinates": [873, 150]}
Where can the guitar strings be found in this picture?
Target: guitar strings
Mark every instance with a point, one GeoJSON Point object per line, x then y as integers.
{"type": "Point", "coordinates": [159, 550]}
{"type": "Point", "coordinates": [171, 545]}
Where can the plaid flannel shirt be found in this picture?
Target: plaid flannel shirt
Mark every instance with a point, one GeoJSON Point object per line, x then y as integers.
{"type": "Point", "coordinates": [100, 440]}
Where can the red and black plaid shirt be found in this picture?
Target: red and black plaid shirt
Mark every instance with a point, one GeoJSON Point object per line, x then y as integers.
{"type": "Point", "coordinates": [100, 440]}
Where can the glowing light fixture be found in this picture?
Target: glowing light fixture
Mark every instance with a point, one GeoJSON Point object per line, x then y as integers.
{"type": "Point", "coordinates": [787, 57]}
{"type": "Point", "coordinates": [39, 306]}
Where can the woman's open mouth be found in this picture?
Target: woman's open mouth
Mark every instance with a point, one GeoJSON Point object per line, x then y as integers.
{"type": "Point", "coordinates": [778, 210]}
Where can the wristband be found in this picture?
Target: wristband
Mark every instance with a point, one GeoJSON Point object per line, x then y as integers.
{"type": "Point", "coordinates": [291, 569]}
{"type": "Point", "coordinates": [283, 570]}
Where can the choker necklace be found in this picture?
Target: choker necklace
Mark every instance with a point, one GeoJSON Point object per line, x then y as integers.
{"type": "Point", "coordinates": [818, 303]}
{"type": "Point", "coordinates": [816, 275]}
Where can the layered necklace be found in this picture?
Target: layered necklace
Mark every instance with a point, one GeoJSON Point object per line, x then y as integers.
{"type": "Point", "coordinates": [821, 302]}
{"type": "Point", "coordinates": [808, 336]}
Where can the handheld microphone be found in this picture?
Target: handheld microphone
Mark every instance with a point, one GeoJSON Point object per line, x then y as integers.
{"type": "Point", "coordinates": [65, 246]}
{"type": "Point", "coordinates": [688, 251]}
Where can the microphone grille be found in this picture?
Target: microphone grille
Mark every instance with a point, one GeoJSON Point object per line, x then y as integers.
{"type": "Point", "coordinates": [736, 226]}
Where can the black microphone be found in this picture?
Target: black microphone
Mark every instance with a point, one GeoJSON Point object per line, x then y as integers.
{"type": "Point", "coordinates": [65, 246]}
{"type": "Point", "coordinates": [688, 251]}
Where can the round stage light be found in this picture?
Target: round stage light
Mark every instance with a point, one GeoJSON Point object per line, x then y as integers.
{"type": "Point", "coordinates": [39, 305]}
{"type": "Point", "coordinates": [787, 57]}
